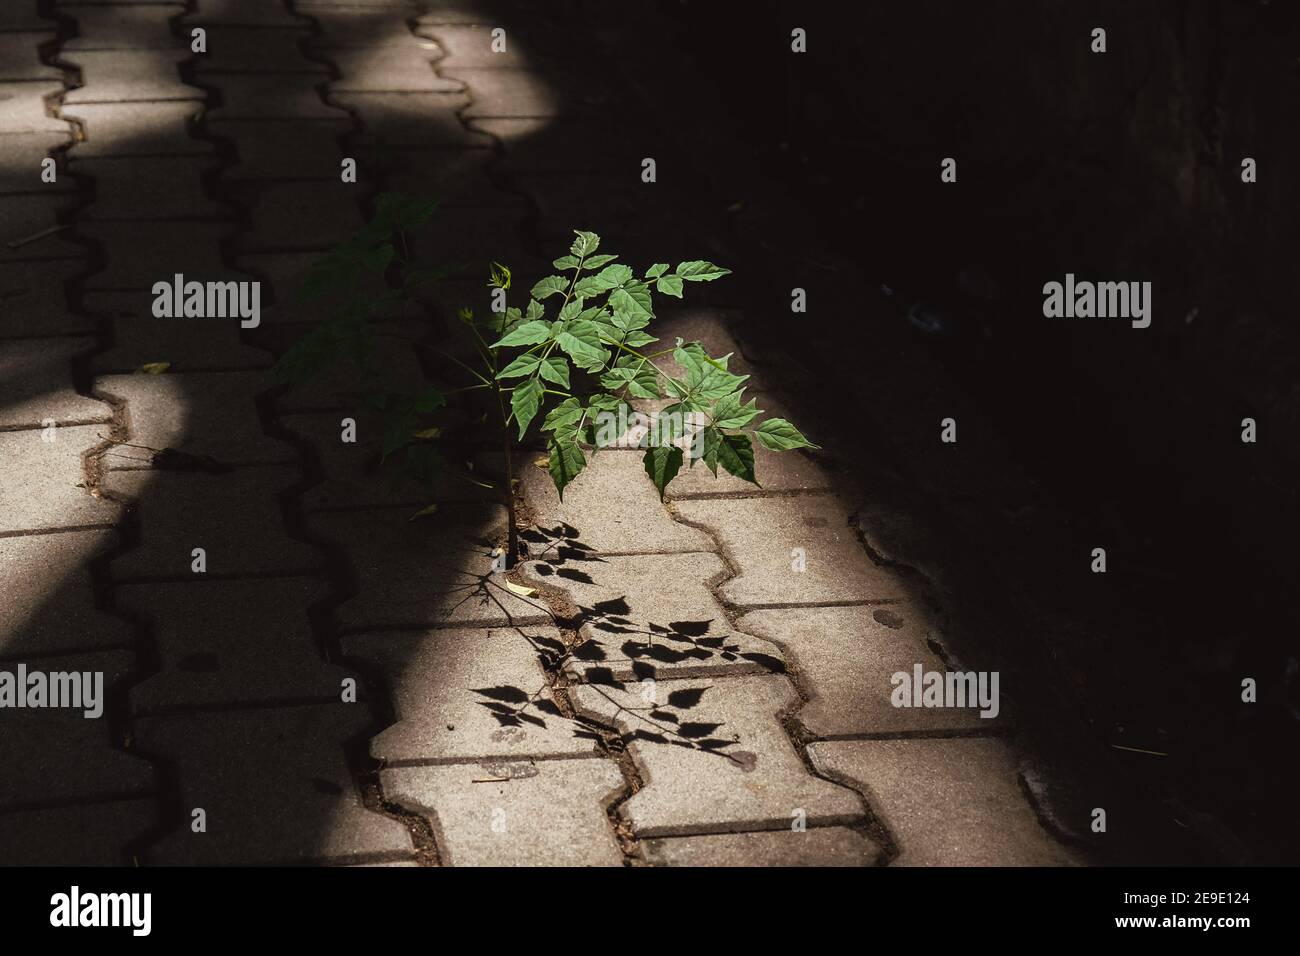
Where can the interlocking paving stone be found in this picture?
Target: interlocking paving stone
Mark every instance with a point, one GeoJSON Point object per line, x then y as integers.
{"type": "Point", "coordinates": [35, 302]}
{"type": "Point", "coordinates": [151, 189]}
{"type": "Point", "coordinates": [652, 615]}
{"type": "Point", "coordinates": [354, 475]}
{"type": "Point", "coordinates": [470, 45]}
{"type": "Point", "coordinates": [761, 534]}
{"type": "Point", "coordinates": [39, 483]}
{"type": "Point", "coordinates": [199, 413]}
{"type": "Point", "coordinates": [275, 149]}
{"type": "Point", "coordinates": [231, 642]}
{"type": "Point", "coordinates": [118, 76]}
{"type": "Point", "coordinates": [268, 96]}
{"type": "Point", "coordinates": [947, 802]}
{"type": "Point", "coordinates": [337, 387]}
{"type": "Point", "coordinates": [411, 119]}
{"type": "Point", "coordinates": [137, 129]}
{"type": "Point", "coordinates": [49, 604]}
{"type": "Point", "coordinates": [22, 167]}
{"type": "Point", "coordinates": [141, 253]}
{"type": "Point", "coordinates": [522, 92]}
{"type": "Point", "coordinates": [186, 344]}
{"type": "Point", "coordinates": [398, 69]}
{"type": "Point", "coordinates": [358, 27]}
{"type": "Point", "coordinates": [299, 215]}
{"type": "Point", "coordinates": [846, 656]}
{"type": "Point", "coordinates": [37, 379]}
{"type": "Point", "coordinates": [234, 517]}
{"type": "Point", "coordinates": [455, 177]}
{"type": "Point", "coordinates": [821, 846]}
{"type": "Point", "coordinates": [94, 834]}
{"type": "Point", "coordinates": [420, 574]}
{"type": "Point", "coordinates": [274, 784]}
{"type": "Point", "coordinates": [135, 27]}
{"type": "Point", "coordinates": [476, 237]}
{"type": "Point", "coordinates": [242, 13]}
{"type": "Point", "coordinates": [556, 145]}
{"type": "Point", "coordinates": [689, 790]}
{"type": "Point", "coordinates": [26, 221]}
{"type": "Point", "coordinates": [283, 275]}
{"type": "Point", "coordinates": [255, 50]}
{"type": "Point", "coordinates": [546, 812]}
{"type": "Point", "coordinates": [612, 505]}
{"type": "Point", "coordinates": [22, 17]}
{"type": "Point", "coordinates": [20, 59]}
{"type": "Point", "coordinates": [22, 108]}
{"type": "Point", "coordinates": [58, 754]}
{"type": "Point", "coordinates": [462, 693]}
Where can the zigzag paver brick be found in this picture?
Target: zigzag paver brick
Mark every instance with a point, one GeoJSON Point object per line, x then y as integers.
{"type": "Point", "coordinates": [255, 50]}
{"type": "Point", "coordinates": [20, 61]}
{"type": "Point", "coordinates": [137, 129]}
{"type": "Point", "coordinates": [37, 377]}
{"type": "Point", "coordinates": [756, 779]}
{"type": "Point", "coordinates": [275, 149]}
{"type": "Point", "coordinates": [25, 154]}
{"type": "Point", "coordinates": [49, 605]}
{"type": "Point", "coordinates": [251, 13]}
{"type": "Point", "coordinates": [947, 802]}
{"type": "Point", "coordinates": [136, 188]}
{"type": "Point", "coordinates": [542, 813]}
{"type": "Point", "coordinates": [400, 69]}
{"type": "Point", "coordinates": [467, 693]}
{"type": "Point", "coordinates": [43, 485]}
{"type": "Point", "coordinates": [266, 96]}
{"type": "Point", "coordinates": [133, 27]}
{"type": "Point", "coordinates": [651, 616]}
{"type": "Point", "coordinates": [411, 119]}
{"type": "Point", "coordinates": [22, 108]}
{"type": "Point", "coordinates": [821, 846]}
{"type": "Point", "coordinates": [297, 215]}
{"type": "Point", "coordinates": [187, 345]}
{"type": "Point", "coordinates": [35, 303]}
{"type": "Point", "coordinates": [761, 535]}
{"type": "Point", "coordinates": [120, 76]}
{"type": "Point", "coordinates": [95, 834]}
{"type": "Point", "coordinates": [358, 27]}
{"type": "Point", "coordinates": [138, 254]}
{"type": "Point", "coordinates": [30, 228]}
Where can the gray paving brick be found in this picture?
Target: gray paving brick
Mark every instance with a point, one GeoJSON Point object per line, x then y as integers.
{"type": "Point", "coordinates": [465, 693]}
{"type": "Point", "coordinates": [411, 119]}
{"type": "Point", "coordinates": [118, 76]}
{"type": "Point", "coordinates": [481, 11]}
{"type": "Point", "coordinates": [25, 224]}
{"type": "Point", "coordinates": [134, 27]}
{"type": "Point", "coordinates": [435, 571]}
{"type": "Point", "coordinates": [275, 149]}
{"type": "Point", "coordinates": [255, 50]}
{"type": "Point", "coordinates": [20, 58]}
{"type": "Point", "coordinates": [470, 45]}
{"type": "Point", "coordinates": [37, 377]}
{"type": "Point", "coordinates": [40, 480]}
{"type": "Point", "coordinates": [200, 413]}
{"type": "Point", "coordinates": [234, 517]}
{"type": "Point", "coordinates": [185, 344]}
{"type": "Point", "coordinates": [283, 275]}
{"type": "Point", "coordinates": [49, 605]}
{"type": "Point", "coordinates": [405, 69]}
{"type": "Point", "coordinates": [527, 93]}
{"type": "Point", "coordinates": [298, 215]}
{"type": "Point", "coordinates": [821, 846]}
{"type": "Point", "coordinates": [337, 387]}
{"type": "Point", "coordinates": [152, 189]}
{"type": "Point", "coordinates": [275, 787]}
{"type": "Point", "coordinates": [231, 642]}
{"type": "Point", "coordinates": [242, 13]}
{"type": "Point", "coordinates": [35, 302]}
{"type": "Point", "coordinates": [137, 129]}
{"type": "Point", "coordinates": [687, 790]}
{"type": "Point", "coordinates": [651, 615]}
{"type": "Point", "coordinates": [760, 535]}
{"type": "Point", "coordinates": [24, 155]}
{"type": "Point", "coordinates": [52, 755]}
{"type": "Point", "coordinates": [947, 802]}
{"type": "Point", "coordinates": [359, 27]}
{"type": "Point", "coordinates": [22, 108]}
{"type": "Point", "coordinates": [141, 253]}
{"type": "Point", "coordinates": [546, 813]}
{"type": "Point", "coordinates": [267, 96]}
{"type": "Point", "coordinates": [455, 177]}
{"type": "Point", "coordinates": [21, 17]}
{"type": "Point", "coordinates": [846, 656]}
{"type": "Point", "coordinates": [613, 506]}
{"type": "Point", "coordinates": [95, 834]}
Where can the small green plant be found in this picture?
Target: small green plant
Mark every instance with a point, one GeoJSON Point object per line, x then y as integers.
{"type": "Point", "coordinates": [572, 359]}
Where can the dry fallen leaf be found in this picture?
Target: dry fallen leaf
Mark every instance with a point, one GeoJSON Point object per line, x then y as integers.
{"type": "Point", "coordinates": [542, 462]}
{"type": "Point", "coordinates": [423, 512]}
{"type": "Point", "coordinates": [520, 589]}
{"type": "Point", "coordinates": [153, 368]}
{"type": "Point", "coordinates": [427, 433]}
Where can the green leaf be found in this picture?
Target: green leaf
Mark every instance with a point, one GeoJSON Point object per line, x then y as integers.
{"type": "Point", "coordinates": [730, 412]}
{"type": "Point", "coordinates": [524, 401]}
{"type": "Point", "coordinates": [595, 262]}
{"type": "Point", "coordinates": [736, 454]}
{"type": "Point", "coordinates": [640, 293]}
{"type": "Point", "coordinates": [525, 364]}
{"type": "Point", "coordinates": [585, 244]}
{"type": "Point", "coordinates": [378, 258]}
{"type": "Point", "coordinates": [670, 285]}
{"type": "Point", "coordinates": [549, 286]}
{"type": "Point", "coordinates": [530, 333]}
{"type": "Point", "coordinates": [634, 340]}
{"type": "Point", "coordinates": [572, 309]}
{"type": "Point", "coordinates": [563, 417]}
{"type": "Point", "coordinates": [706, 377]}
{"type": "Point", "coordinates": [556, 370]}
{"type": "Point", "coordinates": [656, 270]}
{"type": "Point", "coordinates": [662, 464]}
{"type": "Point", "coordinates": [712, 439]}
{"type": "Point", "coordinates": [581, 340]}
{"type": "Point", "coordinates": [565, 262]}
{"type": "Point", "coordinates": [699, 270]}
{"type": "Point", "coordinates": [636, 375]}
{"type": "Point", "coordinates": [777, 434]}
{"type": "Point", "coordinates": [428, 400]}
{"type": "Point", "coordinates": [564, 461]}
{"type": "Point", "coordinates": [634, 315]}
{"type": "Point", "coordinates": [535, 310]}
